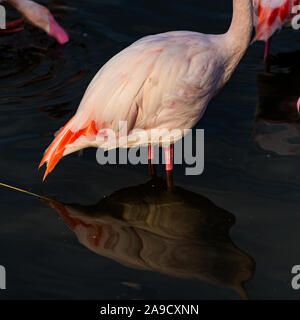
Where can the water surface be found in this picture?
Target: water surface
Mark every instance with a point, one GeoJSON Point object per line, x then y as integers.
{"type": "Point", "coordinates": [124, 237]}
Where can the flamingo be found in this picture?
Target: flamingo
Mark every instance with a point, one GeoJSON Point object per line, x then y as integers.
{"type": "Point", "coordinates": [38, 16]}
{"type": "Point", "coordinates": [162, 81]}
{"type": "Point", "coordinates": [270, 16]}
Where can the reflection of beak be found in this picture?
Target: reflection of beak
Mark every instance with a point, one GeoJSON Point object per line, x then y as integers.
{"type": "Point", "coordinates": [63, 212]}
{"type": "Point", "coordinates": [94, 231]}
{"type": "Point", "coordinates": [57, 32]}
{"type": "Point", "coordinates": [298, 105]}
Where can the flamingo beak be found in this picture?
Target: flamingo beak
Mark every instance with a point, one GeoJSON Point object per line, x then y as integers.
{"type": "Point", "coordinates": [298, 105]}
{"type": "Point", "coordinates": [57, 32]}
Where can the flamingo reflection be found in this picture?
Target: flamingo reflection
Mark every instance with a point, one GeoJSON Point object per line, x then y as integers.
{"type": "Point", "coordinates": [180, 234]}
{"type": "Point", "coordinates": [277, 121]}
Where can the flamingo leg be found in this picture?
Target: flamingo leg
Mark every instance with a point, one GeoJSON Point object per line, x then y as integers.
{"type": "Point", "coordinates": [267, 50]}
{"type": "Point", "coordinates": [169, 156]}
{"type": "Point", "coordinates": [151, 166]}
{"type": "Point", "coordinates": [13, 27]}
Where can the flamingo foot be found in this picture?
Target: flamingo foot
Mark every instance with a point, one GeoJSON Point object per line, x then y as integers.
{"type": "Point", "coordinates": [13, 27]}
{"type": "Point", "coordinates": [57, 32]}
{"type": "Point", "coordinates": [169, 156]}
{"type": "Point", "coordinates": [151, 166]}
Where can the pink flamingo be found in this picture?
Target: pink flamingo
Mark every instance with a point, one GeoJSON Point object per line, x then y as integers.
{"type": "Point", "coordinates": [271, 15]}
{"type": "Point", "coordinates": [38, 16]}
{"type": "Point", "coordinates": [162, 81]}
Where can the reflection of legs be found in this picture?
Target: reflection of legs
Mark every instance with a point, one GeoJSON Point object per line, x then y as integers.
{"type": "Point", "coordinates": [150, 164]}
{"type": "Point", "coordinates": [169, 156]}
{"type": "Point", "coordinates": [13, 27]}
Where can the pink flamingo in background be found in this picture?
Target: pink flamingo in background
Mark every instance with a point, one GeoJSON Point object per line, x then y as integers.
{"type": "Point", "coordinates": [38, 16]}
{"type": "Point", "coordinates": [270, 16]}
{"type": "Point", "coordinates": [162, 81]}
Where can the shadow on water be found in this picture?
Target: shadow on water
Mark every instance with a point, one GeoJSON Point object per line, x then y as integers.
{"type": "Point", "coordinates": [180, 233]}
{"type": "Point", "coordinates": [277, 121]}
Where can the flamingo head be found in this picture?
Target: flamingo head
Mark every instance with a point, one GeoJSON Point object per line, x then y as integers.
{"type": "Point", "coordinates": [56, 31]}
{"type": "Point", "coordinates": [42, 18]}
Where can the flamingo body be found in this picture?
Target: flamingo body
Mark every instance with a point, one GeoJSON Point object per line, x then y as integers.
{"type": "Point", "coordinates": [162, 81]}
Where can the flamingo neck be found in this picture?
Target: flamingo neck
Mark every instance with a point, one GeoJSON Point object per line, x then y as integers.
{"type": "Point", "coordinates": [18, 4]}
{"type": "Point", "coordinates": [14, 3]}
{"type": "Point", "coordinates": [239, 33]}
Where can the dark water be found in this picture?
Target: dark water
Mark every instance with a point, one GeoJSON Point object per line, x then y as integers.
{"type": "Point", "coordinates": [237, 222]}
